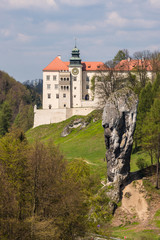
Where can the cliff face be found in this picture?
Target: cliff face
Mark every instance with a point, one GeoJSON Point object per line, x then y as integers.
{"type": "Point", "coordinates": [119, 120]}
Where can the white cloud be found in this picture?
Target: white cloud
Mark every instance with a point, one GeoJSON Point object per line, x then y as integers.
{"type": "Point", "coordinates": [23, 38]}
{"type": "Point", "coordinates": [114, 19]}
{"type": "Point", "coordinates": [143, 23]}
{"type": "Point", "coordinates": [20, 4]}
{"type": "Point", "coordinates": [61, 27]}
{"type": "Point", "coordinates": [155, 3]}
{"type": "Point", "coordinates": [85, 28]}
{"type": "Point", "coordinates": [81, 2]}
{"type": "Point", "coordinates": [51, 27]}
{"type": "Point", "coordinates": [5, 32]}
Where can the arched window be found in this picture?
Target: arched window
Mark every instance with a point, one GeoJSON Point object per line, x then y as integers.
{"type": "Point", "coordinates": [86, 97]}
{"type": "Point", "coordinates": [50, 106]}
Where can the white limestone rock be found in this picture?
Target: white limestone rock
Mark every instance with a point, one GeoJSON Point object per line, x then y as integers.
{"type": "Point", "coordinates": [119, 120]}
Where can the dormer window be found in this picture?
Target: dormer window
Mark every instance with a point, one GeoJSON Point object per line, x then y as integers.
{"type": "Point", "coordinates": [89, 66]}
{"type": "Point", "coordinates": [98, 66]}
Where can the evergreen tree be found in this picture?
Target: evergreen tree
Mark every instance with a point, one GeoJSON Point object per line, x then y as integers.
{"type": "Point", "coordinates": [5, 118]}
{"type": "Point", "coordinates": [151, 133]}
{"type": "Point", "coordinates": [144, 105]}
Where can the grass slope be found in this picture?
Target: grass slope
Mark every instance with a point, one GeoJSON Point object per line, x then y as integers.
{"type": "Point", "coordinates": [86, 143]}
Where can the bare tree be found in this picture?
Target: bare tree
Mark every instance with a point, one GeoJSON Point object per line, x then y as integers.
{"type": "Point", "coordinates": [142, 65]}
{"type": "Point", "coordinates": [107, 82]}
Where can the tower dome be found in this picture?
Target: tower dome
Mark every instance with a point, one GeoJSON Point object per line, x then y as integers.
{"type": "Point", "coordinates": [75, 58]}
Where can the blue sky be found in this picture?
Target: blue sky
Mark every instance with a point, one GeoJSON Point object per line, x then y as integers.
{"type": "Point", "coordinates": [34, 32]}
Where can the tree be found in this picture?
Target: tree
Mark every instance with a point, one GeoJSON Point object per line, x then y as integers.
{"type": "Point", "coordinates": [5, 118]}
{"type": "Point", "coordinates": [57, 198]}
{"type": "Point", "coordinates": [151, 133]}
{"type": "Point", "coordinates": [145, 102]}
{"type": "Point", "coordinates": [106, 83]}
{"type": "Point", "coordinates": [121, 55]}
{"type": "Point", "coordinates": [142, 66]}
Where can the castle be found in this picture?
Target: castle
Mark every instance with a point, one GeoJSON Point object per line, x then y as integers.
{"type": "Point", "coordinates": [67, 89]}
{"type": "Point", "coordinates": [67, 86]}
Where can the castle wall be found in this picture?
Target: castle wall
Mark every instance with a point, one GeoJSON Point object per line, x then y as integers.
{"type": "Point", "coordinates": [47, 116]}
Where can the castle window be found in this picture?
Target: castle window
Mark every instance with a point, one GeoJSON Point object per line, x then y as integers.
{"type": "Point", "coordinates": [61, 79]}
{"type": "Point", "coordinates": [54, 77]}
{"type": "Point", "coordinates": [75, 79]}
{"type": "Point", "coordinates": [61, 87]}
{"type": "Point", "coordinates": [87, 79]}
{"type": "Point", "coordinates": [87, 86]}
{"type": "Point", "coordinates": [48, 86]}
{"type": "Point", "coordinates": [49, 95]}
{"type": "Point", "coordinates": [48, 77]}
{"type": "Point", "coordinates": [50, 106]}
{"type": "Point", "coordinates": [64, 87]}
{"type": "Point", "coordinates": [64, 95]}
{"type": "Point", "coordinates": [57, 95]}
{"type": "Point", "coordinates": [74, 96]}
{"type": "Point", "coordinates": [64, 105]}
{"type": "Point", "coordinates": [75, 88]}
{"type": "Point", "coordinates": [56, 86]}
{"type": "Point", "coordinates": [64, 79]}
{"type": "Point", "coordinates": [67, 79]}
{"type": "Point", "coordinates": [67, 87]}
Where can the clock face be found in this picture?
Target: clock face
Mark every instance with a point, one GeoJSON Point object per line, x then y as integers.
{"type": "Point", "coordinates": [75, 71]}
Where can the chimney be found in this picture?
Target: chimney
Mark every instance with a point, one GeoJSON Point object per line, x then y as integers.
{"type": "Point", "coordinates": [59, 56]}
{"type": "Point", "coordinates": [129, 59]}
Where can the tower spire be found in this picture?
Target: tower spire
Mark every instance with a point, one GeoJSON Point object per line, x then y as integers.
{"type": "Point", "coordinates": [75, 42]}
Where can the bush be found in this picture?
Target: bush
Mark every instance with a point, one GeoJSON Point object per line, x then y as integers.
{"type": "Point", "coordinates": [141, 163]}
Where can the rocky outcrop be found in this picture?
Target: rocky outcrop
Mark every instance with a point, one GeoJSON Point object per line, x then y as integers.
{"type": "Point", "coordinates": [74, 124]}
{"type": "Point", "coordinates": [119, 120]}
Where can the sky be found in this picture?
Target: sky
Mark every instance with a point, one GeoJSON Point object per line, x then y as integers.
{"type": "Point", "coordinates": [34, 32]}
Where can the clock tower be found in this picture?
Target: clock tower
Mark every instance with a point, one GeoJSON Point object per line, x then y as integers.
{"type": "Point", "coordinates": [75, 67]}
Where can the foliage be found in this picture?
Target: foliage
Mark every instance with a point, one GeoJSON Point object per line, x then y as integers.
{"type": "Point", "coordinates": [121, 55]}
{"type": "Point", "coordinates": [93, 86]}
{"type": "Point", "coordinates": [46, 196]}
{"type": "Point", "coordinates": [151, 132]}
{"type": "Point", "coordinates": [16, 104]}
{"type": "Point", "coordinates": [141, 163]}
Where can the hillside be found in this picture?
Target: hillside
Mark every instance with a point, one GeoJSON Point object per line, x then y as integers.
{"type": "Point", "coordinates": [16, 104]}
{"type": "Point", "coordinates": [83, 138]}
{"type": "Point", "coordinates": [85, 141]}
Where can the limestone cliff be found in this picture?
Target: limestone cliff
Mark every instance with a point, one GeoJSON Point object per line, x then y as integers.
{"type": "Point", "coordinates": [119, 120]}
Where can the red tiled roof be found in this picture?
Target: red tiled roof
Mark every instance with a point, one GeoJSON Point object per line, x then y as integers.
{"type": "Point", "coordinates": [133, 64]}
{"type": "Point", "coordinates": [94, 66]}
{"type": "Point", "coordinates": [58, 65]}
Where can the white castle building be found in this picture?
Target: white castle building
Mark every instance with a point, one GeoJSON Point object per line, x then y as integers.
{"type": "Point", "coordinates": [67, 89]}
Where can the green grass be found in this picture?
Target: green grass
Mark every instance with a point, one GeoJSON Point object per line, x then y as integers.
{"type": "Point", "coordinates": [131, 234]}
{"type": "Point", "coordinates": [87, 143]}
{"type": "Point", "coordinates": [157, 218]}
{"type": "Point", "coordinates": [136, 156]}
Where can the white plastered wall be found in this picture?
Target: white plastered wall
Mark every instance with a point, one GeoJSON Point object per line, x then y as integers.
{"type": "Point", "coordinates": [53, 101]}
